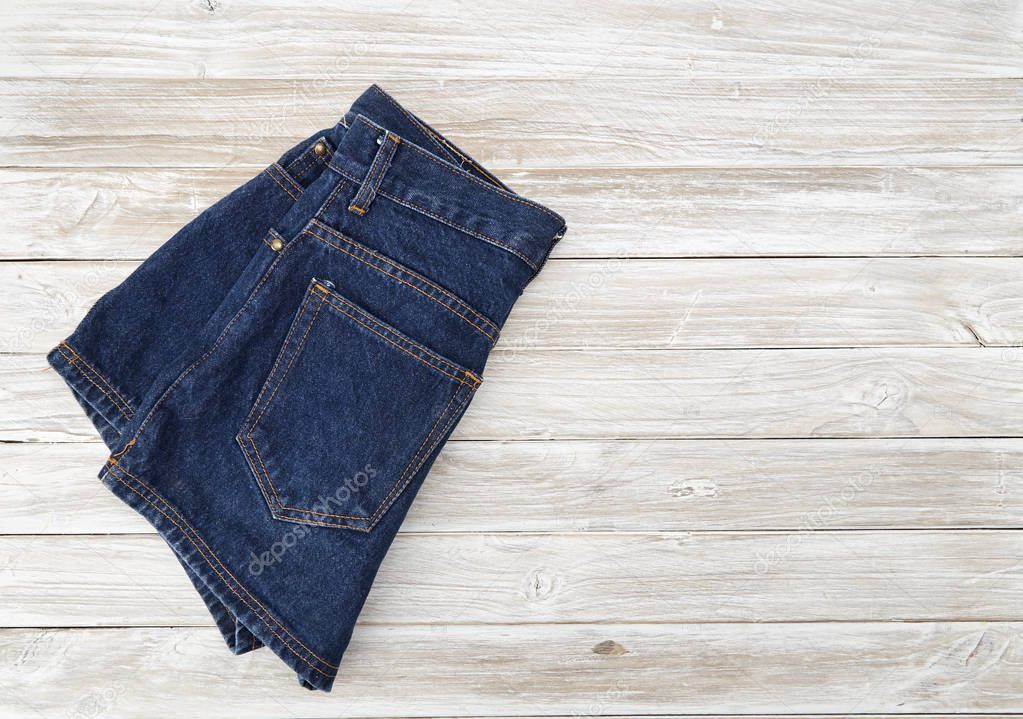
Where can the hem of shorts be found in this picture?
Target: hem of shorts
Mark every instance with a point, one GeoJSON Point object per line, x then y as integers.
{"type": "Point", "coordinates": [108, 418]}
{"type": "Point", "coordinates": [236, 635]}
{"type": "Point", "coordinates": [147, 503]}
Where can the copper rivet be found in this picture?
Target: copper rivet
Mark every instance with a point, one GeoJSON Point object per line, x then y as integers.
{"type": "Point", "coordinates": [319, 148]}
{"type": "Point", "coordinates": [276, 245]}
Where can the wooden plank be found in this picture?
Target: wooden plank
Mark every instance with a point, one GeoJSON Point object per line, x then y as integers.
{"type": "Point", "coordinates": [574, 669]}
{"type": "Point", "coordinates": [649, 122]}
{"type": "Point", "coordinates": [135, 580]}
{"type": "Point", "coordinates": [770, 130]}
{"type": "Point", "coordinates": [658, 394]}
{"type": "Point", "coordinates": [127, 213]}
{"type": "Point", "coordinates": [398, 39]}
{"type": "Point", "coordinates": [667, 485]}
{"type": "Point", "coordinates": [698, 304]}
{"type": "Point", "coordinates": [738, 393]}
{"type": "Point", "coordinates": [656, 304]}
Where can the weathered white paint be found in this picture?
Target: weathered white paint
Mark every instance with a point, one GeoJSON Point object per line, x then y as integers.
{"type": "Point", "coordinates": [664, 394]}
{"type": "Point", "coordinates": [849, 175]}
{"type": "Point", "coordinates": [532, 670]}
{"type": "Point", "coordinates": [607, 485]}
{"type": "Point", "coordinates": [127, 212]}
{"type": "Point", "coordinates": [452, 40]}
{"type": "Point", "coordinates": [657, 304]}
{"type": "Point", "coordinates": [817, 574]}
{"type": "Point", "coordinates": [587, 122]}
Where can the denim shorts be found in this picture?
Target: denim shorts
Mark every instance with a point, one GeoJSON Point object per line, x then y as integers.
{"type": "Point", "coordinates": [276, 380]}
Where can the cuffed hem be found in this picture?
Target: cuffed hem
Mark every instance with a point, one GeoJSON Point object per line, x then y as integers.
{"type": "Point", "coordinates": [250, 618]}
{"type": "Point", "coordinates": [105, 406]}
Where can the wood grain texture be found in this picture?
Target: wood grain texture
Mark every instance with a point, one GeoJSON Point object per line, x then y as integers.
{"type": "Point", "coordinates": [660, 485]}
{"type": "Point", "coordinates": [477, 578]}
{"type": "Point", "coordinates": [658, 394]}
{"type": "Point", "coordinates": [534, 670]}
{"type": "Point", "coordinates": [657, 304]}
{"type": "Point", "coordinates": [750, 445]}
{"type": "Point", "coordinates": [126, 213]}
{"type": "Point", "coordinates": [659, 122]}
{"type": "Point", "coordinates": [449, 39]}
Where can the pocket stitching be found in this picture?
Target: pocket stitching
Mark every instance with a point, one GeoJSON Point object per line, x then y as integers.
{"type": "Point", "coordinates": [304, 161]}
{"type": "Point", "coordinates": [277, 362]}
{"type": "Point", "coordinates": [291, 362]}
{"type": "Point", "coordinates": [396, 491]}
{"type": "Point", "coordinates": [399, 268]}
{"type": "Point", "coordinates": [414, 463]}
{"type": "Point", "coordinates": [418, 454]}
{"type": "Point", "coordinates": [273, 177]}
{"type": "Point", "coordinates": [474, 381]}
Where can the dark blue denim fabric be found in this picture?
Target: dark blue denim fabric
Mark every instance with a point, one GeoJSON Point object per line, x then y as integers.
{"type": "Point", "coordinates": [275, 382]}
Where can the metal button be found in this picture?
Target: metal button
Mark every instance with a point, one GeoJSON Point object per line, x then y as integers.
{"type": "Point", "coordinates": [319, 148]}
{"type": "Point", "coordinates": [276, 245]}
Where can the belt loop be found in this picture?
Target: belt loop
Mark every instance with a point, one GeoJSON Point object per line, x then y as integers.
{"type": "Point", "coordinates": [388, 144]}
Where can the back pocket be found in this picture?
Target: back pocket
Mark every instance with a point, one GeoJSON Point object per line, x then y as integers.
{"type": "Point", "coordinates": [349, 414]}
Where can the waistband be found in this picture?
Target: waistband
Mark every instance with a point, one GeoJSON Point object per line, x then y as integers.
{"type": "Point", "coordinates": [393, 154]}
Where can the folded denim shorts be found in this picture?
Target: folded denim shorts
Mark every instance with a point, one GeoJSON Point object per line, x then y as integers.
{"type": "Point", "coordinates": [276, 380]}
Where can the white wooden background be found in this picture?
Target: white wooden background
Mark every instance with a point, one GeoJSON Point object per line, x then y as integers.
{"type": "Point", "coordinates": [752, 444]}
